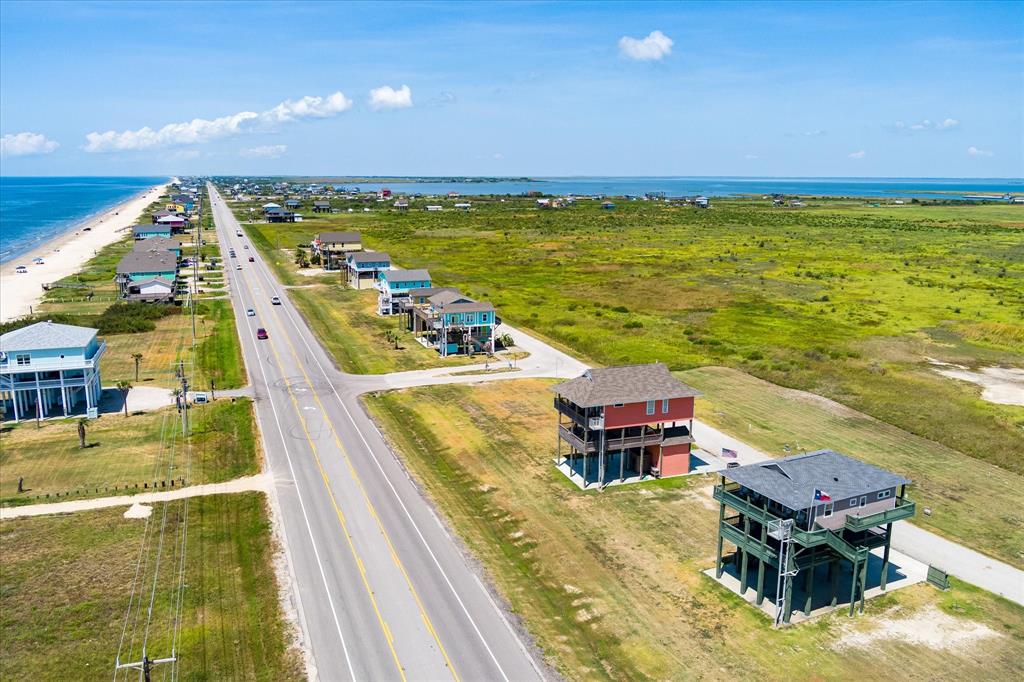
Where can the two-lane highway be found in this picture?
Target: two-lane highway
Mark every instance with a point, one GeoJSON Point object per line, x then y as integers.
{"type": "Point", "coordinates": [385, 593]}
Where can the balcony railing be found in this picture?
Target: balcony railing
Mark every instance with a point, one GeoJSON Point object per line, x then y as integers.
{"type": "Point", "coordinates": [904, 509]}
{"type": "Point", "coordinates": [51, 364]}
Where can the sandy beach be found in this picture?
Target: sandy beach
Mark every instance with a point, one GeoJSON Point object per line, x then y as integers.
{"type": "Point", "coordinates": [66, 254]}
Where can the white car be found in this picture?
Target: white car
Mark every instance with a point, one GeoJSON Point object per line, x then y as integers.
{"type": "Point", "coordinates": [275, 300]}
{"type": "Point", "coordinates": [250, 313]}
{"type": "Point", "coordinates": [238, 267]}
{"type": "Point", "coordinates": [21, 270]}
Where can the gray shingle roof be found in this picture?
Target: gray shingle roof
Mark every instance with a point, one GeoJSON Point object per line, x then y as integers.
{"type": "Point", "coordinates": [430, 291]}
{"type": "Point", "coordinates": [338, 237]}
{"type": "Point", "coordinates": [448, 296]}
{"type": "Point", "coordinates": [140, 229]}
{"type": "Point", "coordinates": [44, 335]}
{"type": "Point", "coordinates": [370, 257]}
{"type": "Point", "coordinates": [147, 261]}
{"type": "Point", "coordinates": [626, 384]}
{"type": "Point", "coordinates": [156, 244]}
{"type": "Point", "coordinates": [407, 275]}
{"type": "Point", "coordinates": [467, 307]}
{"type": "Point", "coordinates": [791, 481]}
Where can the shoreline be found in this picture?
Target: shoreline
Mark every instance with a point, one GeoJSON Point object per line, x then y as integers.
{"type": "Point", "coordinates": [66, 253]}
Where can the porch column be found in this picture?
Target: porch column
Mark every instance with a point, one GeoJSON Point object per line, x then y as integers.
{"type": "Point", "coordinates": [760, 564]}
{"type": "Point", "coordinates": [721, 520]}
{"type": "Point", "coordinates": [63, 394]}
{"type": "Point", "coordinates": [833, 573]}
{"type": "Point", "coordinates": [853, 586]}
{"type": "Point", "coordinates": [14, 401]}
{"type": "Point", "coordinates": [809, 588]}
{"type": "Point", "coordinates": [787, 613]}
{"type": "Point", "coordinates": [744, 557]}
{"type": "Point", "coordinates": [39, 398]}
{"type": "Point", "coordinates": [88, 391]}
{"type": "Point", "coordinates": [885, 555]}
{"type": "Point", "coordinates": [864, 582]}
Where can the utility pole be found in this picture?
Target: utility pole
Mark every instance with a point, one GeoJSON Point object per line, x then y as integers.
{"type": "Point", "coordinates": [146, 664]}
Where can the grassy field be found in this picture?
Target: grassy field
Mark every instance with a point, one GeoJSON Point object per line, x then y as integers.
{"type": "Point", "coordinates": [126, 451]}
{"type": "Point", "coordinates": [609, 583]}
{"type": "Point", "coordinates": [974, 503]}
{"type": "Point", "coordinates": [65, 591]}
{"type": "Point", "coordinates": [345, 320]}
{"type": "Point", "coordinates": [840, 298]}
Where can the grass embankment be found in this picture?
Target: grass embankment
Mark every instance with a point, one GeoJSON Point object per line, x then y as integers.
{"type": "Point", "coordinates": [66, 588]}
{"type": "Point", "coordinates": [125, 452]}
{"type": "Point", "coordinates": [841, 299]}
{"type": "Point", "coordinates": [609, 583]}
{"type": "Point", "coordinates": [974, 503]}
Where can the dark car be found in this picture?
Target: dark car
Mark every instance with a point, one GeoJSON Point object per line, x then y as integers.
{"type": "Point", "coordinates": [261, 333]}
{"type": "Point", "coordinates": [251, 259]}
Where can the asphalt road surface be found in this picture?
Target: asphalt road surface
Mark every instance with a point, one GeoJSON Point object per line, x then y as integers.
{"type": "Point", "coordinates": [384, 592]}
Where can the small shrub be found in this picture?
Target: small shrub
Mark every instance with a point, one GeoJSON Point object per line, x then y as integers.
{"type": "Point", "coordinates": [633, 324]}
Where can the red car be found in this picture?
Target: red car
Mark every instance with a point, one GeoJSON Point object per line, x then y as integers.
{"type": "Point", "coordinates": [251, 259]}
{"type": "Point", "coordinates": [261, 333]}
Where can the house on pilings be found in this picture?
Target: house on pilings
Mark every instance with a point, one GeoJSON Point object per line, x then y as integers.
{"type": "Point", "coordinates": [818, 515]}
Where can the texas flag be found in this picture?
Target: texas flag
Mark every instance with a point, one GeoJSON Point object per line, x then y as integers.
{"type": "Point", "coordinates": [821, 496]}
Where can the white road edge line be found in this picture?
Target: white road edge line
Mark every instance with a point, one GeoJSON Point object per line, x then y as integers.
{"type": "Point", "coordinates": [298, 491]}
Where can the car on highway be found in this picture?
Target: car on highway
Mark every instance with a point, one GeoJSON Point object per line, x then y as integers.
{"type": "Point", "coordinates": [251, 259]}
{"type": "Point", "coordinates": [238, 267]}
{"type": "Point", "coordinates": [250, 312]}
{"type": "Point", "coordinates": [275, 300]}
{"type": "Point", "coordinates": [245, 246]}
{"type": "Point", "coordinates": [261, 333]}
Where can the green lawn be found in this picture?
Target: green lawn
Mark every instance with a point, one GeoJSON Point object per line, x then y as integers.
{"type": "Point", "coordinates": [840, 299]}
{"type": "Point", "coordinates": [126, 452]}
{"type": "Point", "coordinates": [974, 503]}
{"type": "Point", "coordinates": [64, 592]}
{"type": "Point", "coordinates": [609, 584]}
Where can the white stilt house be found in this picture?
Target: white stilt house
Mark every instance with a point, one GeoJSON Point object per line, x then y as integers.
{"type": "Point", "coordinates": [50, 370]}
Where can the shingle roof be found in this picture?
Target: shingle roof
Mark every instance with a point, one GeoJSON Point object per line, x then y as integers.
{"type": "Point", "coordinates": [160, 280]}
{"type": "Point", "coordinates": [791, 481]}
{"type": "Point", "coordinates": [370, 257]}
{"type": "Point", "coordinates": [338, 237]}
{"type": "Point", "coordinates": [322, 204]}
{"type": "Point", "coordinates": [44, 335]}
{"type": "Point", "coordinates": [626, 384]}
{"type": "Point", "coordinates": [147, 261]}
{"type": "Point", "coordinates": [430, 291]}
{"type": "Point", "coordinates": [156, 244]}
{"type": "Point", "coordinates": [407, 275]}
{"type": "Point", "coordinates": [467, 307]}
{"type": "Point", "coordinates": [448, 296]}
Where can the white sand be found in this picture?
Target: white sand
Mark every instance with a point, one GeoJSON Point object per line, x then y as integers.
{"type": "Point", "coordinates": [19, 292]}
{"type": "Point", "coordinates": [1000, 385]}
{"type": "Point", "coordinates": [929, 628]}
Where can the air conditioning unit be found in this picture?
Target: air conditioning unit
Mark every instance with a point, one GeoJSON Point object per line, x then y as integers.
{"type": "Point", "coordinates": [596, 423]}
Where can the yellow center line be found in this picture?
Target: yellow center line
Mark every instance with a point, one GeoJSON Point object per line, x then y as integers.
{"type": "Point", "coordinates": [337, 509]}
{"type": "Point", "coordinates": [373, 511]}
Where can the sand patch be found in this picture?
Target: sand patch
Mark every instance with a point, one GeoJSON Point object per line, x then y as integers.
{"type": "Point", "coordinates": [138, 511]}
{"type": "Point", "coordinates": [929, 627]}
{"type": "Point", "coordinates": [1000, 385]}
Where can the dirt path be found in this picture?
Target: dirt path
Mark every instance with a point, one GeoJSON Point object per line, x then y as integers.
{"type": "Point", "coordinates": [258, 483]}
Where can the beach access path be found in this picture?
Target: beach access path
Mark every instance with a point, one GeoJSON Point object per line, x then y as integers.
{"type": "Point", "coordinates": [67, 254]}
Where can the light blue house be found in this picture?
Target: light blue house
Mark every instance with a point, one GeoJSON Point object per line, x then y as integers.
{"type": "Point", "coordinates": [395, 286]}
{"type": "Point", "coordinates": [147, 275]}
{"type": "Point", "coordinates": [147, 231]}
{"type": "Point", "coordinates": [365, 266]}
{"type": "Point", "coordinates": [454, 324]}
{"type": "Point", "coordinates": [49, 369]}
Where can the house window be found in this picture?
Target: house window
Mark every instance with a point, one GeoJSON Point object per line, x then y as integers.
{"type": "Point", "coordinates": [863, 500]}
{"type": "Point", "coordinates": [827, 510]}
{"type": "Point", "coordinates": [884, 494]}
{"type": "Point", "coordinates": [664, 406]}
{"type": "Point", "coordinates": [650, 407]}
{"type": "Point", "coordinates": [617, 405]}
{"type": "Point", "coordinates": [23, 359]}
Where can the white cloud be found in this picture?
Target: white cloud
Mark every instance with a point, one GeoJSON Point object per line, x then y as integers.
{"type": "Point", "coordinates": [858, 155]}
{"type": "Point", "coordinates": [974, 151]}
{"type": "Point", "coordinates": [201, 130]}
{"type": "Point", "coordinates": [944, 124]}
{"type": "Point", "coordinates": [26, 144]}
{"type": "Point", "coordinates": [386, 97]}
{"type": "Point", "coordinates": [187, 154]}
{"type": "Point", "coordinates": [267, 151]}
{"type": "Point", "coordinates": [813, 133]}
{"type": "Point", "coordinates": [655, 47]}
{"type": "Point", "coordinates": [751, 156]}
{"type": "Point", "coordinates": [497, 156]}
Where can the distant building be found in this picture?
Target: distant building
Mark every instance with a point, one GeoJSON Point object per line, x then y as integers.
{"type": "Point", "coordinates": [293, 203]}
{"type": "Point", "coordinates": [607, 205]}
{"type": "Point", "coordinates": [321, 207]}
{"type": "Point", "coordinates": [453, 324]}
{"type": "Point", "coordinates": [623, 423]}
{"type": "Point", "coordinates": [332, 248]}
{"type": "Point", "coordinates": [402, 205]}
{"type": "Point", "coordinates": [48, 369]}
{"type": "Point", "coordinates": [176, 222]}
{"type": "Point", "coordinates": [464, 206]}
{"type": "Point", "coordinates": [140, 232]}
{"type": "Point", "coordinates": [435, 207]}
{"type": "Point", "coordinates": [365, 266]}
{"type": "Point", "coordinates": [395, 286]}
{"type": "Point", "coordinates": [814, 515]}
{"type": "Point", "coordinates": [701, 202]}
{"type": "Point", "coordinates": [148, 275]}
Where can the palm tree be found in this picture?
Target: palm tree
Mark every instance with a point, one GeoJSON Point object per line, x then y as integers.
{"type": "Point", "coordinates": [81, 432]}
{"type": "Point", "coordinates": [137, 357]}
{"type": "Point", "coordinates": [124, 387]}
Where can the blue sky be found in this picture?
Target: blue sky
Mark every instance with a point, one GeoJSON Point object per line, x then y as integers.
{"type": "Point", "coordinates": [765, 89]}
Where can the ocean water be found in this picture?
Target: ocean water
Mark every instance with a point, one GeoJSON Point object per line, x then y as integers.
{"type": "Point", "coordinates": [717, 186]}
{"type": "Point", "coordinates": [34, 210]}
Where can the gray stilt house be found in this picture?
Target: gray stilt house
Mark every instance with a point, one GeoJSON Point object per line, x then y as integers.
{"type": "Point", "coordinates": [805, 519]}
